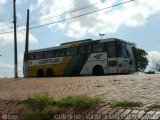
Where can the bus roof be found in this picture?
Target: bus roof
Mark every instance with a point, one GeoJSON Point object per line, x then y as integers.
{"type": "Point", "coordinates": [76, 43]}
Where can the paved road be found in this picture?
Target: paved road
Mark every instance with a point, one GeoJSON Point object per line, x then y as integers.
{"type": "Point", "coordinates": [144, 88]}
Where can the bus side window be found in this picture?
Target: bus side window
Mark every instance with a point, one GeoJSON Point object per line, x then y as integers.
{"type": "Point", "coordinates": [48, 54]}
{"type": "Point", "coordinates": [59, 53]}
{"type": "Point", "coordinates": [124, 51]}
{"type": "Point", "coordinates": [111, 50]}
{"type": "Point", "coordinates": [71, 51]}
{"type": "Point", "coordinates": [31, 56]}
{"type": "Point", "coordinates": [98, 47]}
{"type": "Point", "coordinates": [39, 55]}
{"type": "Point", "coordinates": [62, 52]}
{"type": "Point", "coordinates": [129, 49]}
{"type": "Point", "coordinates": [84, 49]}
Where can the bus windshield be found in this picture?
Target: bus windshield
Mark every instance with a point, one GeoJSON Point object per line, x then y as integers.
{"type": "Point", "coordinates": [124, 50]}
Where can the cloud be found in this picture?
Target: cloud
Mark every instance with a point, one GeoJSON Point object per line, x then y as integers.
{"type": "Point", "coordinates": [2, 2]}
{"type": "Point", "coordinates": [9, 37]}
{"type": "Point", "coordinates": [8, 69]}
{"type": "Point", "coordinates": [2, 6]}
{"type": "Point", "coordinates": [133, 14]}
{"type": "Point", "coordinates": [152, 57]}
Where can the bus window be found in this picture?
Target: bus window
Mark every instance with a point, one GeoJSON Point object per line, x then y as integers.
{"type": "Point", "coordinates": [31, 56]}
{"type": "Point", "coordinates": [84, 49]}
{"type": "Point", "coordinates": [129, 49]}
{"type": "Point", "coordinates": [111, 50]}
{"type": "Point", "coordinates": [39, 55]}
{"type": "Point", "coordinates": [59, 53]}
{"type": "Point", "coordinates": [48, 54]}
{"type": "Point", "coordinates": [98, 47]}
{"type": "Point", "coordinates": [123, 51]}
{"type": "Point", "coordinates": [71, 51]}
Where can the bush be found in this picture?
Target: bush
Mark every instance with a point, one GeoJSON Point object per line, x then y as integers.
{"type": "Point", "coordinates": [150, 72]}
{"type": "Point", "coordinates": [81, 101]}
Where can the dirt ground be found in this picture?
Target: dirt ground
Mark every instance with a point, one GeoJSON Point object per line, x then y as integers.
{"type": "Point", "coordinates": [144, 88]}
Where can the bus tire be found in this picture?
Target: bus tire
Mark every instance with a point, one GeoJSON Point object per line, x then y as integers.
{"type": "Point", "coordinates": [40, 73]}
{"type": "Point", "coordinates": [49, 73]}
{"type": "Point", "coordinates": [98, 70]}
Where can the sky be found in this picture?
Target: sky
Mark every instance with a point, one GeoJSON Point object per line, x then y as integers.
{"type": "Point", "coordinates": [135, 21]}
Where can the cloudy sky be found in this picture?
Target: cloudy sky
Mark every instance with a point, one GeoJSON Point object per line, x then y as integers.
{"type": "Point", "coordinates": [136, 21]}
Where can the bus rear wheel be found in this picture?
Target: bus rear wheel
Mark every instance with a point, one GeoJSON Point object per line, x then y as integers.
{"type": "Point", "coordinates": [40, 73]}
{"type": "Point", "coordinates": [98, 70]}
{"type": "Point", "coordinates": [49, 73]}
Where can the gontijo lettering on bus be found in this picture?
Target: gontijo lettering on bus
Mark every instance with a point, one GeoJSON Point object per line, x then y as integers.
{"type": "Point", "coordinates": [48, 61]}
{"type": "Point", "coordinates": [45, 61]}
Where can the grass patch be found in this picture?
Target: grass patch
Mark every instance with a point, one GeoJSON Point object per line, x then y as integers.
{"type": "Point", "coordinates": [154, 107]}
{"type": "Point", "coordinates": [126, 103]}
{"type": "Point", "coordinates": [39, 101]}
{"type": "Point", "coordinates": [80, 101]}
{"type": "Point", "coordinates": [43, 107]}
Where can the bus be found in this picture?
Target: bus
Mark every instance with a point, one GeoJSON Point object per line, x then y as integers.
{"type": "Point", "coordinates": [83, 57]}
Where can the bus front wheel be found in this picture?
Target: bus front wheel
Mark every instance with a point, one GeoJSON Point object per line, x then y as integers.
{"type": "Point", "coordinates": [98, 70]}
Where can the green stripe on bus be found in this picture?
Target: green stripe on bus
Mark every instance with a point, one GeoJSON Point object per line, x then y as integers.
{"type": "Point", "coordinates": [76, 64]}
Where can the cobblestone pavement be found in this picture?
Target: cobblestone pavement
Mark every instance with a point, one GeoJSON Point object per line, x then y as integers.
{"type": "Point", "coordinates": [9, 109]}
{"type": "Point", "coordinates": [144, 88]}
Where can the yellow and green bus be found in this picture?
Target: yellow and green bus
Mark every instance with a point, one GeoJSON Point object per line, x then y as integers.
{"type": "Point", "coordinates": [84, 57]}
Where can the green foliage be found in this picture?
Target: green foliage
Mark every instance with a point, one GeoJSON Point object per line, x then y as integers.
{"type": "Point", "coordinates": [33, 116]}
{"type": "Point", "coordinates": [52, 110]}
{"type": "Point", "coordinates": [156, 65]}
{"type": "Point", "coordinates": [140, 57]}
{"type": "Point", "coordinates": [39, 101]}
{"type": "Point", "coordinates": [126, 103]}
{"type": "Point", "coordinates": [80, 101]}
{"type": "Point", "coordinates": [150, 72]}
{"type": "Point", "coordinates": [154, 106]}
{"type": "Point", "coordinates": [43, 107]}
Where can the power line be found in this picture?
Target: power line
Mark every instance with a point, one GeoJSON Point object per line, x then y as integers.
{"type": "Point", "coordinates": [82, 14]}
{"type": "Point", "coordinates": [64, 13]}
{"type": "Point", "coordinates": [57, 15]}
{"type": "Point", "coordinates": [58, 8]}
{"type": "Point", "coordinates": [72, 17]}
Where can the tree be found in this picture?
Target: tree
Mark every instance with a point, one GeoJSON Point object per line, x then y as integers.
{"type": "Point", "coordinates": [156, 65]}
{"type": "Point", "coordinates": [140, 57]}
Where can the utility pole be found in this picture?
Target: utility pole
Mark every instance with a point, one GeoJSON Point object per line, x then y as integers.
{"type": "Point", "coordinates": [27, 32]}
{"type": "Point", "coordinates": [26, 47]}
{"type": "Point", "coordinates": [15, 40]}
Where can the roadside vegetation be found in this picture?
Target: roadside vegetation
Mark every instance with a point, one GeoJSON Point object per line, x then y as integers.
{"type": "Point", "coordinates": [140, 56]}
{"type": "Point", "coordinates": [154, 107]}
{"type": "Point", "coordinates": [80, 101]}
{"type": "Point", "coordinates": [150, 72]}
{"type": "Point", "coordinates": [43, 107]}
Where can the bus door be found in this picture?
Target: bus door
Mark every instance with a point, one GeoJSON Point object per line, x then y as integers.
{"type": "Point", "coordinates": [112, 58]}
